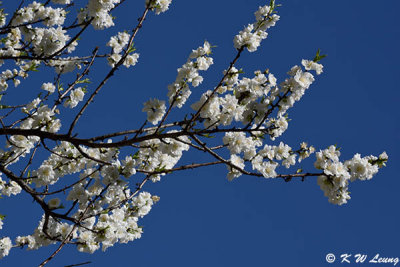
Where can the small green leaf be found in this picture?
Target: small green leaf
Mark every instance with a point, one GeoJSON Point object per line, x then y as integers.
{"type": "Point", "coordinates": [60, 87]}
{"type": "Point", "coordinates": [87, 80]}
{"type": "Point", "coordinates": [318, 56]}
{"type": "Point", "coordinates": [131, 49]}
{"type": "Point", "coordinates": [136, 155]}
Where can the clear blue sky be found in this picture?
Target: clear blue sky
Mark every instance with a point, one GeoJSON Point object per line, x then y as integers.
{"type": "Point", "coordinates": [204, 220]}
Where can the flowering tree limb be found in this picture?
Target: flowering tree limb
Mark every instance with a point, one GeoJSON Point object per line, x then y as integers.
{"type": "Point", "coordinates": [85, 186]}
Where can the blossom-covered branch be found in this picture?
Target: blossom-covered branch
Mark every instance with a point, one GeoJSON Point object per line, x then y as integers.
{"type": "Point", "coordinates": [91, 189]}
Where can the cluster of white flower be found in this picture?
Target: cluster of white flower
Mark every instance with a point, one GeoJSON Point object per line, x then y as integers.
{"type": "Point", "coordinates": [6, 76]}
{"type": "Point", "coordinates": [42, 118]}
{"type": "Point", "coordinates": [43, 41]}
{"type": "Point", "coordinates": [62, 2]}
{"type": "Point", "coordinates": [14, 74]}
{"type": "Point", "coordinates": [283, 153]}
{"type": "Point", "coordinates": [238, 162]}
{"type": "Point", "coordinates": [312, 65]}
{"type": "Point", "coordinates": [231, 79]}
{"type": "Point", "coordinates": [118, 226]}
{"type": "Point", "coordinates": [98, 184]}
{"type": "Point", "coordinates": [155, 110]}
{"type": "Point", "coordinates": [5, 246]}
{"type": "Point", "coordinates": [337, 175]}
{"type": "Point", "coordinates": [159, 6]}
{"type": "Point", "coordinates": [99, 10]}
{"type": "Point", "coordinates": [277, 127]}
{"type": "Point", "coordinates": [75, 97]}
{"type": "Point", "coordinates": [19, 145]}
{"type": "Point", "coordinates": [158, 155]}
{"type": "Point", "coordinates": [237, 142]}
{"type": "Point", "coordinates": [264, 160]}
{"type": "Point", "coordinates": [251, 36]}
{"type": "Point", "coordinates": [47, 41]}
{"type": "Point", "coordinates": [295, 86]}
{"type": "Point", "coordinates": [305, 151]}
{"type": "Point", "coordinates": [210, 108]}
{"type": "Point", "coordinates": [364, 168]}
{"type": "Point", "coordinates": [131, 60]}
{"type": "Point", "coordinates": [12, 44]}
{"type": "Point", "coordinates": [49, 87]}
{"type": "Point", "coordinates": [68, 160]}
{"type": "Point", "coordinates": [128, 166]}
{"type": "Point", "coordinates": [9, 75]}
{"type": "Point", "coordinates": [246, 100]}
{"type": "Point", "coordinates": [179, 91]}
{"type": "Point", "coordinates": [65, 65]}
{"type": "Point", "coordinates": [118, 43]}
{"type": "Point", "coordinates": [39, 239]}
{"type": "Point", "coordinates": [142, 204]}
{"type": "Point", "coordinates": [38, 12]}
{"type": "Point", "coordinates": [8, 189]}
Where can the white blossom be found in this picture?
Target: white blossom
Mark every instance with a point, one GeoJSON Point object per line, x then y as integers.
{"type": "Point", "coordinates": [155, 110]}
{"type": "Point", "coordinates": [74, 98]}
{"type": "Point", "coordinates": [160, 6]}
{"type": "Point", "coordinates": [233, 172]}
{"type": "Point", "coordinates": [5, 246]}
{"type": "Point", "coordinates": [49, 87]}
{"type": "Point", "coordinates": [311, 65]}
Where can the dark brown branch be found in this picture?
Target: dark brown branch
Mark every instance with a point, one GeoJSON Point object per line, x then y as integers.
{"type": "Point", "coordinates": [78, 264]}
{"type": "Point", "coordinates": [85, 72]}
{"type": "Point", "coordinates": [111, 73]}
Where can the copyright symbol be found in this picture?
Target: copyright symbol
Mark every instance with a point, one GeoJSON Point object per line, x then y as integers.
{"type": "Point", "coordinates": [330, 258]}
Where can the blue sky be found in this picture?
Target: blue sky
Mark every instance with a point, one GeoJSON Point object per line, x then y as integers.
{"type": "Point", "coordinates": [204, 220]}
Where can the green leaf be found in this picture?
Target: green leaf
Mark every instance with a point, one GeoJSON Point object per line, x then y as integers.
{"type": "Point", "coordinates": [208, 136]}
{"type": "Point", "coordinates": [3, 40]}
{"type": "Point", "coordinates": [272, 4]}
{"type": "Point", "coordinates": [60, 87]}
{"type": "Point", "coordinates": [131, 49]}
{"type": "Point", "coordinates": [136, 155]}
{"type": "Point", "coordinates": [33, 67]}
{"type": "Point", "coordinates": [318, 56]}
{"type": "Point", "coordinates": [87, 80]}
